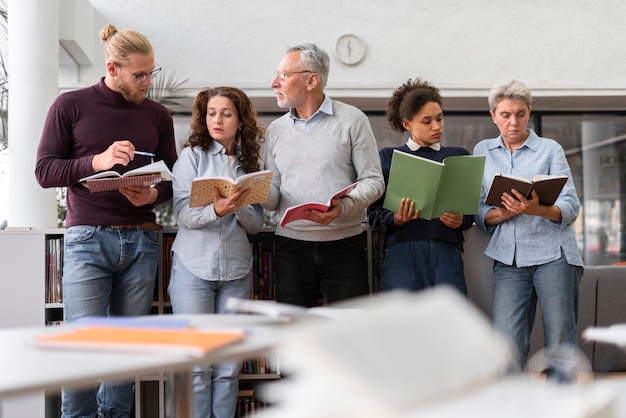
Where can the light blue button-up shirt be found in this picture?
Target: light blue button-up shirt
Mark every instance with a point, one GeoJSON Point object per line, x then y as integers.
{"type": "Point", "coordinates": [525, 239]}
{"type": "Point", "coordinates": [210, 246]}
{"type": "Point", "coordinates": [326, 108]}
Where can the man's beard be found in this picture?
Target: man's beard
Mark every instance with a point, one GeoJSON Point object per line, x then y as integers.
{"type": "Point", "coordinates": [131, 96]}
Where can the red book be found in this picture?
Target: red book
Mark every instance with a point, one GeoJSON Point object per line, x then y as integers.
{"type": "Point", "coordinates": [295, 213]}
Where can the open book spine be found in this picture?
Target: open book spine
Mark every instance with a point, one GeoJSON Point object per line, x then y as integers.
{"type": "Point", "coordinates": [107, 184]}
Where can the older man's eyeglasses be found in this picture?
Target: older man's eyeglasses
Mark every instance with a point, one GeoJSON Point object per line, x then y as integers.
{"type": "Point", "coordinates": [142, 77]}
{"type": "Point", "coordinates": [282, 75]}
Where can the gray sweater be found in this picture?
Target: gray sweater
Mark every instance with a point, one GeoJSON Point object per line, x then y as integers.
{"type": "Point", "coordinates": [313, 160]}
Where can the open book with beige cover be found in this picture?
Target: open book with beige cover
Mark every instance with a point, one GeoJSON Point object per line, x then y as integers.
{"type": "Point", "coordinates": [202, 188]}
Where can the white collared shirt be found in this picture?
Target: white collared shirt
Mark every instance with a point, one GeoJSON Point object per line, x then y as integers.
{"type": "Point", "coordinates": [414, 146]}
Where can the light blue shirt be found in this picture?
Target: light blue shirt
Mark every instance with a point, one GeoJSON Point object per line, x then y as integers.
{"type": "Point", "coordinates": [326, 108]}
{"type": "Point", "coordinates": [211, 247]}
{"type": "Point", "coordinates": [525, 239]}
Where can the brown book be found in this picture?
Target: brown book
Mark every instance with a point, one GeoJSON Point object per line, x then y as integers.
{"type": "Point", "coordinates": [547, 187]}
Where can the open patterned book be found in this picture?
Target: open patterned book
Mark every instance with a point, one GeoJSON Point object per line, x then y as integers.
{"type": "Point", "coordinates": [145, 176]}
{"type": "Point", "coordinates": [259, 182]}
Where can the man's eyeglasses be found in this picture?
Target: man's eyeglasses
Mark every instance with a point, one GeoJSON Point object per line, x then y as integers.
{"type": "Point", "coordinates": [282, 75]}
{"type": "Point", "coordinates": [141, 78]}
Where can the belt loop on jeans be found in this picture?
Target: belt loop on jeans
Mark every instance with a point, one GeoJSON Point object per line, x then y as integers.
{"type": "Point", "coordinates": [146, 226]}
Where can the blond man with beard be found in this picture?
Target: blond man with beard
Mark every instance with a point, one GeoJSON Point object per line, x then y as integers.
{"type": "Point", "coordinates": [111, 248]}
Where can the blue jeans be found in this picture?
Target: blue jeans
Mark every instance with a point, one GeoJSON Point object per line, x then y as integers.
{"type": "Point", "coordinates": [214, 387]}
{"type": "Point", "coordinates": [417, 265]}
{"type": "Point", "coordinates": [516, 291]}
{"type": "Point", "coordinates": [112, 272]}
{"type": "Point", "coordinates": [301, 267]}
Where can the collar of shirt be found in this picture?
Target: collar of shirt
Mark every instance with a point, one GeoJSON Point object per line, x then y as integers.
{"type": "Point", "coordinates": [217, 148]}
{"type": "Point", "coordinates": [414, 146]}
{"type": "Point", "coordinates": [325, 108]}
{"type": "Point", "coordinates": [531, 142]}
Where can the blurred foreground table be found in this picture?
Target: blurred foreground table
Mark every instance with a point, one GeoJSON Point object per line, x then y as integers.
{"type": "Point", "coordinates": [26, 368]}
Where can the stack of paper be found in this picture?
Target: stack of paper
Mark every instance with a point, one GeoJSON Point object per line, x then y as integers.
{"type": "Point", "coordinates": [429, 354]}
{"type": "Point", "coordinates": [613, 334]}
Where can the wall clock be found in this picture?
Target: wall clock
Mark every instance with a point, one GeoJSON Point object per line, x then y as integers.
{"type": "Point", "coordinates": [350, 49]}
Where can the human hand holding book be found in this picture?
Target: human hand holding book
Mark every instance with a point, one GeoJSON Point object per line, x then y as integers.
{"type": "Point", "coordinates": [547, 187]}
{"type": "Point", "coordinates": [297, 212]}
{"type": "Point", "coordinates": [451, 186]}
{"type": "Point", "coordinates": [259, 183]}
{"type": "Point", "coordinates": [146, 176]}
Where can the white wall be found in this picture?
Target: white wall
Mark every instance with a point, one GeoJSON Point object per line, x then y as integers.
{"type": "Point", "coordinates": [558, 47]}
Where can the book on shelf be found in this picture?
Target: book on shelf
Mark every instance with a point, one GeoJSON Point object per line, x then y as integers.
{"type": "Point", "coordinates": [202, 188]}
{"type": "Point", "coordinates": [54, 273]}
{"type": "Point", "coordinates": [453, 185]}
{"type": "Point", "coordinates": [146, 176]}
{"type": "Point", "coordinates": [248, 404]}
{"type": "Point", "coordinates": [245, 393]}
{"type": "Point", "coordinates": [548, 188]}
{"type": "Point", "coordinates": [297, 212]}
{"type": "Point", "coordinates": [166, 255]}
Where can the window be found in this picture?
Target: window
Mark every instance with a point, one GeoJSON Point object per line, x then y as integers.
{"type": "Point", "coordinates": [595, 145]}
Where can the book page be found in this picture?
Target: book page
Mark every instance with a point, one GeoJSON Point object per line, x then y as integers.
{"type": "Point", "coordinates": [541, 177]}
{"type": "Point", "coordinates": [518, 178]}
{"type": "Point", "coordinates": [157, 167]}
{"type": "Point", "coordinates": [154, 168]}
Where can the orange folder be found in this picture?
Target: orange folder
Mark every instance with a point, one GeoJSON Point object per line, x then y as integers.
{"type": "Point", "coordinates": [193, 341]}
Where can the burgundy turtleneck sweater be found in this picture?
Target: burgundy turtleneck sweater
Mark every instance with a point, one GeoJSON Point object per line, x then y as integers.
{"type": "Point", "coordinates": [86, 122]}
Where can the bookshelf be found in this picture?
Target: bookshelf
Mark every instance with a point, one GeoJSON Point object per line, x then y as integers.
{"type": "Point", "coordinates": [32, 260]}
{"type": "Point", "coordinates": [23, 261]}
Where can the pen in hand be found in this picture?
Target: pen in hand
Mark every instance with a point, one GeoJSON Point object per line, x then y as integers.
{"type": "Point", "coordinates": [146, 154]}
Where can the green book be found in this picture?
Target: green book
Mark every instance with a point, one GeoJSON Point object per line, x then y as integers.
{"type": "Point", "coordinates": [451, 186]}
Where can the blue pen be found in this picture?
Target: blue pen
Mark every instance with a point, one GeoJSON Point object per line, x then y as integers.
{"type": "Point", "coordinates": [147, 154]}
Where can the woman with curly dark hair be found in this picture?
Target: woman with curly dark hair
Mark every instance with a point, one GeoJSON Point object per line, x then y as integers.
{"type": "Point", "coordinates": [420, 253]}
{"type": "Point", "coordinates": [211, 255]}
